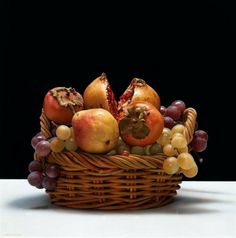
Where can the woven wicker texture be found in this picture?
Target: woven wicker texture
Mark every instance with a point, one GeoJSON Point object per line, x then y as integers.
{"type": "Point", "coordinates": [114, 182]}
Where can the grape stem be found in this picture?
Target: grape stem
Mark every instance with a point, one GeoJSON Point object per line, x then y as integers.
{"type": "Point", "coordinates": [43, 165]}
{"type": "Point", "coordinates": [197, 156]}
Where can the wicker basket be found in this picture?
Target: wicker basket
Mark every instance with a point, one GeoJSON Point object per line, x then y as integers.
{"type": "Point", "coordinates": [113, 182]}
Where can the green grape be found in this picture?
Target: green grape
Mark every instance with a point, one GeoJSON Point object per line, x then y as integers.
{"type": "Point", "coordinates": [190, 173]}
{"type": "Point", "coordinates": [121, 148]}
{"type": "Point", "coordinates": [155, 149]}
{"type": "Point", "coordinates": [177, 134]}
{"type": "Point", "coordinates": [166, 131]}
{"type": "Point", "coordinates": [112, 152]}
{"type": "Point", "coordinates": [183, 150]}
{"type": "Point", "coordinates": [179, 142]}
{"type": "Point", "coordinates": [139, 150]}
{"type": "Point", "coordinates": [169, 150]}
{"type": "Point", "coordinates": [70, 144]}
{"type": "Point", "coordinates": [164, 139]}
{"type": "Point", "coordinates": [120, 142]}
{"type": "Point", "coordinates": [170, 165]}
{"type": "Point", "coordinates": [147, 149]}
{"type": "Point", "coordinates": [57, 145]}
{"type": "Point", "coordinates": [63, 132]}
{"type": "Point", "coordinates": [185, 161]}
{"type": "Point", "coordinates": [179, 128]}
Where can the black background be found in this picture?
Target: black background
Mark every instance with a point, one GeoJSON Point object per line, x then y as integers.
{"type": "Point", "coordinates": [184, 52]}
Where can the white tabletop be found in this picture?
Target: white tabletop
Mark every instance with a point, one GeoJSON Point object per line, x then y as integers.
{"type": "Point", "coordinates": [201, 209]}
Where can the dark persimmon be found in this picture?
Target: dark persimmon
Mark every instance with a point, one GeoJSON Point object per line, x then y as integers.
{"type": "Point", "coordinates": [142, 124]}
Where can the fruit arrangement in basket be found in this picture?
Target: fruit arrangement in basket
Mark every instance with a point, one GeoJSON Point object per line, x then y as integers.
{"type": "Point", "coordinates": [93, 152]}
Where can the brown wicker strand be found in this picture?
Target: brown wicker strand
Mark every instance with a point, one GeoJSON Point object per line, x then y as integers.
{"type": "Point", "coordinates": [190, 115]}
{"type": "Point", "coordinates": [45, 125]}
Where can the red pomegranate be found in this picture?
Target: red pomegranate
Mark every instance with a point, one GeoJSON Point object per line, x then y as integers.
{"type": "Point", "coordinates": [138, 91]}
{"type": "Point", "coordinates": [99, 94]}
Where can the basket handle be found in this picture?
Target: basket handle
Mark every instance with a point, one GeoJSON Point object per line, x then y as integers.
{"type": "Point", "coordinates": [190, 116]}
{"type": "Point", "coordinates": [45, 125]}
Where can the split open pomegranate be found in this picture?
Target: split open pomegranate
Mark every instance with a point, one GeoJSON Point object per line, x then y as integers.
{"type": "Point", "coordinates": [138, 90]}
{"type": "Point", "coordinates": [99, 94]}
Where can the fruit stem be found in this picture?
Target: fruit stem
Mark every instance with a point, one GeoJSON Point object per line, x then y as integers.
{"type": "Point", "coordinates": [197, 157]}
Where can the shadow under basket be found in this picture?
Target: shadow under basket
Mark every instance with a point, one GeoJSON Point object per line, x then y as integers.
{"type": "Point", "coordinates": [97, 181]}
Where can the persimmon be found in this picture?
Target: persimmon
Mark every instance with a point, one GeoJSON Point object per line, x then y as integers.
{"type": "Point", "coordinates": [60, 104]}
{"type": "Point", "coordinates": [142, 124]}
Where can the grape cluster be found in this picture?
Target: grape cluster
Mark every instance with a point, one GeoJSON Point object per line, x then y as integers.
{"type": "Point", "coordinates": [124, 149]}
{"type": "Point", "coordinates": [64, 139]}
{"type": "Point", "coordinates": [173, 113]}
{"type": "Point", "coordinates": [41, 145]}
{"type": "Point", "coordinates": [175, 144]}
{"type": "Point", "coordinates": [43, 175]}
{"type": "Point", "coordinates": [175, 147]}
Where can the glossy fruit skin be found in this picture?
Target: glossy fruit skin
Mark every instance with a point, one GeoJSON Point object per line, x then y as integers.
{"type": "Point", "coordinates": [98, 94]}
{"type": "Point", "coordinates": [137, 91]}
{"type": "Point", "coordinates": [180, 105]}
{"type": "Point", "coordinates": [198, 144]}
{"type": "Point", "coordinates": [201, 133]}
{"type": "Point", "coordinates": [95, 130]}
{"type": "Point", "coordinates": [153, 120]}
{"type": "Point", "coordinates": [61, 114]}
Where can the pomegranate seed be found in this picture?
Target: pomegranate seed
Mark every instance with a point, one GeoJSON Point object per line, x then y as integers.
{"type": "Point", "coordinates": [125, 153]}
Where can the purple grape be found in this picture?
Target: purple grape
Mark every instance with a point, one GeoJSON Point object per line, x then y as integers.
{"type": "Point", "coordinates": [198, 144]}
{"type": "Point", "coordinates": [35, 178]}
{"type": "Point", "coordinates": [43, 148]}
{"type": "Point", "coordinates": [173, 112]}
{"type": "Point", "coordinates": [168, 122]}
{"type": "Point", "coordinates": [36, 139]}
{"type": "Point", "coordinates": [39, 133]}
{"type": "Point", "coordinates": [35, 165]}
{"type": "Point", "coordinates": [49, 183]}
{"type": "Point", "coordinates": [179, 104]}
{"type": "Point", "coordinates": [52, 170]}
{"type": "Point", "coordinates": [163, 110]}
{"type": "Point", "coordinates": [202, 134]}
{"type": "Point", "coordinates": [40, 186]}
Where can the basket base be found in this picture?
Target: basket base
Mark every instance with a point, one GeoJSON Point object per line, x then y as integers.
{"type": "Point", "coordinates": [104, 185]}
{"type": "Point", "coordinates": [115, 205]}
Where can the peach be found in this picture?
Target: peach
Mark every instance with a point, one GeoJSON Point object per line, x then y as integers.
{"type": "Point", "coordinates": [95, 130]}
